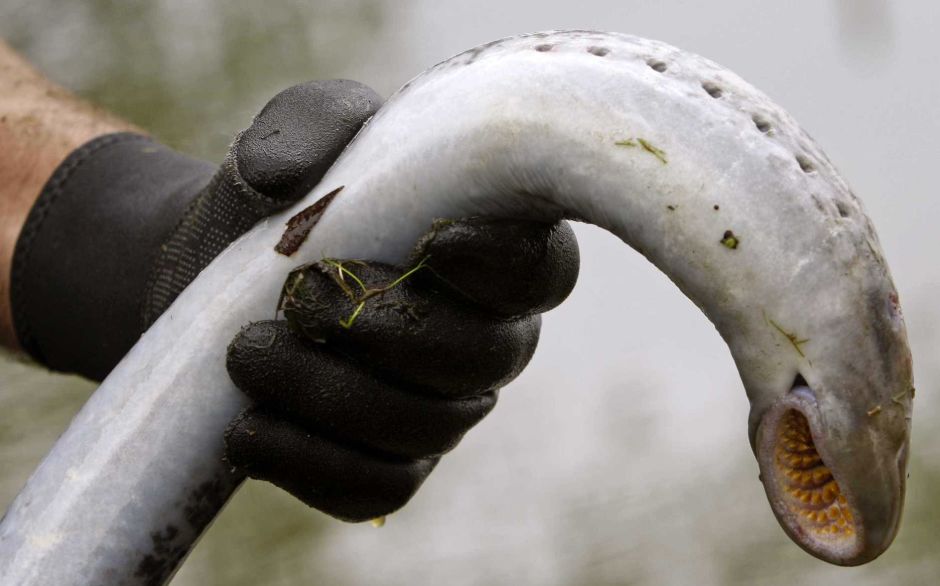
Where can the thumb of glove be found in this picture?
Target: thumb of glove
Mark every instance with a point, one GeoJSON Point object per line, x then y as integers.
{"type": "Point", "coordinates": [283, 154]}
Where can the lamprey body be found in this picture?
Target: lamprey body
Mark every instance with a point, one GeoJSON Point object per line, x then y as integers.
{"type": "Point", "coordinates": [680, 158]}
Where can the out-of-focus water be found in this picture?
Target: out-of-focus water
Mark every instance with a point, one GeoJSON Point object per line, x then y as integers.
{"type": "Point", "coordinates": [620, 456]}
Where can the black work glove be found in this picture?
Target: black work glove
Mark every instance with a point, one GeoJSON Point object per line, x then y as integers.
{"type": "Point", "coordinates": [378, 370]}
{"type": "Point", "coordinates": [125, 223]}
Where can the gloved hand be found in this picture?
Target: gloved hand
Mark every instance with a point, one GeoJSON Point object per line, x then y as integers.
{"type": "Point", "coordinates": [349, 419]}
{"type": "Point", "coordinates": [378, 370]}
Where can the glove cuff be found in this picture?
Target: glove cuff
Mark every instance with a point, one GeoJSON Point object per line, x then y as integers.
{"type": "Point", "coordinates": [84, 256]}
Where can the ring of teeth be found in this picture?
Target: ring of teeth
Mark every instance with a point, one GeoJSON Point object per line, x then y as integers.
{"type": "Point", "coordinates": [812, 493]}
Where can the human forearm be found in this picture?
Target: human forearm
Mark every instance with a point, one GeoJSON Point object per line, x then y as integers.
{"type": "Point", "coordinates": [40, 124]}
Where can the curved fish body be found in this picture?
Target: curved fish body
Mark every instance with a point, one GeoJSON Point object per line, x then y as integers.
{"type": "Point", "coordinates": [681, 159]}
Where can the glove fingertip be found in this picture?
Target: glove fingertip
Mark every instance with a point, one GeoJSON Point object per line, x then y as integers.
{"type": "Point", "coordinates": [299, 133]}
{"type": "Point", "coordinates": [255, 349]}
{"type": "Point", "coordinates": [509, 267]}
{"type": "Point", "coordinates": [234, 437]}
{"type": "Point", "coordinates": [339, 480]}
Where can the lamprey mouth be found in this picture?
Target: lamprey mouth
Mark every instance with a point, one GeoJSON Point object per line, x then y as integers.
{"type": "Point", "coordinates": [815, 505]}
{"type": "Point", "coordinates": [812, 505]}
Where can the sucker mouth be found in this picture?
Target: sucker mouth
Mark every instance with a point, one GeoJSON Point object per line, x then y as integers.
{"type": "Point", "coordinates": [808, 488]}
{"type": "Point", "coordinates": [803, 489]}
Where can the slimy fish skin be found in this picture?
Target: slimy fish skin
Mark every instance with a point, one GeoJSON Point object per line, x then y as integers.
{"type": "Point", "coordinates": [680, 158]}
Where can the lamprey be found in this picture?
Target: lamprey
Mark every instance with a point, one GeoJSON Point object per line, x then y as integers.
{"type": "Point", "coordinates": [680, 158]}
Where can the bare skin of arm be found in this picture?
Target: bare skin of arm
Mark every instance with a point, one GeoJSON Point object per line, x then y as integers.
{"type": "Point", "coordinates": [40, 124]}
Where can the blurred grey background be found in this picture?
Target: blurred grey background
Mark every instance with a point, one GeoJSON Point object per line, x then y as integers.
{"type": "Point", "coordinates": [620, 456]}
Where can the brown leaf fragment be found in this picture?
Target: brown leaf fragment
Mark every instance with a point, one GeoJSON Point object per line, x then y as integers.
{"type": "Point", "coordinates": [300, 225]}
